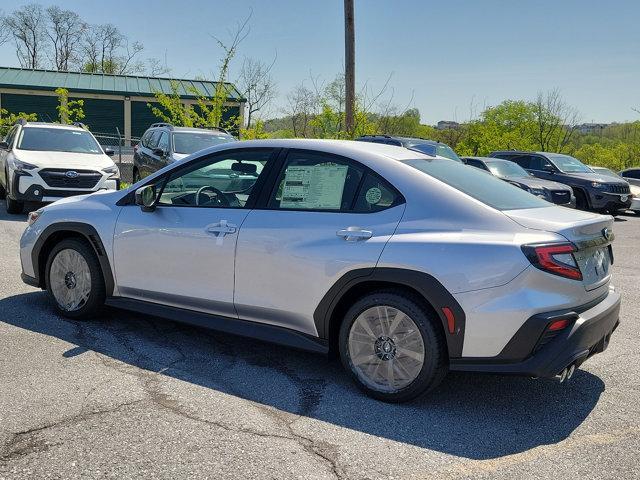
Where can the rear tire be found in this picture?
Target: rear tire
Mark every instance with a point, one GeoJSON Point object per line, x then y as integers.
{"type": "Point", "coordinates": [392, 346]}
{"type": "Point", "coordinates": [74, 279]}
{"type": "Point", "coordinates": [136, 175]}
{"type": "Point", "coordinates": [13, 206]}
{"type": "Point", "coordinates": [3, 192]}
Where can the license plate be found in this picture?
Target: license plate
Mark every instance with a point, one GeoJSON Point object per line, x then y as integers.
{"type": "Point", "coordinates": [594, 264]}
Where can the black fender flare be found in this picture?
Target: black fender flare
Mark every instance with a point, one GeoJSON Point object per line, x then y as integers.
{"type": "Point", "coordinates": [89, 233]}
{"type": "Point", "coordinates": [431, 290]}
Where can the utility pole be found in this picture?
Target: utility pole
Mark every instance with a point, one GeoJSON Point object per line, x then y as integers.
{"type": "Point", "coordinates": [349, 66]}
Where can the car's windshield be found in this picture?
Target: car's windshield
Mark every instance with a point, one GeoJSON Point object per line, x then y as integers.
{"type": "Point", "coordinates": [477, 184]}
{"type": "Point", "coordinates": [435, 149]}
{"type": "Point", "coordinates": [190, 142]}
{"type": "Point", "coordinates": [569, 164]}
{"type": "Point", "coordinates": [507, 169]}
{"type": "Point", "coordinates": [606, 171]}
{"type": "Point", "coordinates": [57, 140]}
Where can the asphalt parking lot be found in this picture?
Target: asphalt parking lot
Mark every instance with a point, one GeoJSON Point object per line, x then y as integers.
{"type": "Point", "coordinates": [129, 396]}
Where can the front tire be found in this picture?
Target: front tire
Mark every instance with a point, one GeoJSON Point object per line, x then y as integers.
{"type": "Point", "coordinates": [74, 279]}
{"type": "Point", "coordinates": [13, 206]}
{"type": "Point", "coordinates": [392, 346]}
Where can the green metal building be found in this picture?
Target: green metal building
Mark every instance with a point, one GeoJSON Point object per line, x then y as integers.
{"type": "Point", "coordinates": [112, 103]}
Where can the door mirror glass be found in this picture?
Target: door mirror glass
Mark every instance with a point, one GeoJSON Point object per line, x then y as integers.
{"type": "Point", "coordinates": [146, 198]}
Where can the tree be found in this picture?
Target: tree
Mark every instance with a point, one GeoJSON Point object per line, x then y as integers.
{"type": "Point", "coordinates": [302, 106]}
{"type": "Point", "coordinates": [26, 25]}
{"type": "Point", "coordinates": [69, 111]}
{"type": "Point", "coordinates": [8, 120]}
{"type": "Point", "coordinates": [257, 86]}
{"type": "Point", "coordinates": [555, 121]}
{"type": "Point", "coordinates": [208, 111]}
{"type": "Point", "coordinates": [64, 30]}
{"type": "Point", "coordinates": [106, 50]}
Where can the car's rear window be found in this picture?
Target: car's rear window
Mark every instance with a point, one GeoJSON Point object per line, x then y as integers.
{"type": "Point", "coordinates": [190, 142]}
{"type": "Point", "coordinates": [474, 182]}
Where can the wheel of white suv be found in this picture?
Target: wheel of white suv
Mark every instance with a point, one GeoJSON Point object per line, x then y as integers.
{"type": "Point", "coordinates": [74, 279]}
{"type": "Point", "coordinates": [392, 346]}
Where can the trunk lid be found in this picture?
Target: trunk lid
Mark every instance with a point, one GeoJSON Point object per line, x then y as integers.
{"type": "Point", "coordinates": [591, 233]}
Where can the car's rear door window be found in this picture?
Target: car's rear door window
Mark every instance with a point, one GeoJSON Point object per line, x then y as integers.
{"type": "Point", "coordinates": [316, 181]}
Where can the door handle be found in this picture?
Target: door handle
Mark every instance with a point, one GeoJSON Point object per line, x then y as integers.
{"type": "Point", "coordinates": [222, 228]}
{"type": "Point", "coordinates": [354, 234]}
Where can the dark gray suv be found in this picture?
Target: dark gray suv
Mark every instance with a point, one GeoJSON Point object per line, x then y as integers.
{"type": "Point", "coordinates": [163, 144]}
{"type": "Point", "coordinates": [593, 191]}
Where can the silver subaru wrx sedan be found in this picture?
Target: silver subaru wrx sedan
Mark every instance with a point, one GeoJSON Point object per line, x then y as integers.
{"type": "Point", "coordinates": [406, 265]}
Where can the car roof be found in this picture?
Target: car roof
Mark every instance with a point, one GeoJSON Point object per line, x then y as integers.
{"type": "Point", "coordinates": [52, 125]}
{"type": "Point", "coordinates": [338, 147]}
{"type": "Point", "coordinates": [188, 129]}
{"type": "Point", "coordinates": [401, 139]}
{"type": "Point", "coordinates": [486, 159]}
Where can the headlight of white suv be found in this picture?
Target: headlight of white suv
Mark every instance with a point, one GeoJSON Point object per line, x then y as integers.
{"type": "Point", "coordinates": [20, 166]}
{"type": "Point", "coordinates": [113, 171]}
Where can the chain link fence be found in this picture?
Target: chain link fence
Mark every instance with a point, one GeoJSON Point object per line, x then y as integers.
{"type": "Point", "coordinates": [123, 152]}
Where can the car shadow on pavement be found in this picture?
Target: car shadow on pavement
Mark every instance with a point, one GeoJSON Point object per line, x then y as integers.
{"type": "Point", "coordinates": [471, 416]}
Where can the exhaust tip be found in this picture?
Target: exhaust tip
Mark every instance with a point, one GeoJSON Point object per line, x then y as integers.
{"type": "Point", "coordinates": [571, 370]}
{"type": "Point", "coordinates": [563, 375]}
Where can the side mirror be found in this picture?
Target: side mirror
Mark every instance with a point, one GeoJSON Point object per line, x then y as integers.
{"type": "Point", "coordinates": [146, 198]}
{"type": "Point", "coordinates": [109, 152]}
{"type": "Point", "coordinates": [4, 145]}
{"type": "Point", "coordinates": [547, 167]}
{"type": "Point", "coordinates": [159, 152]}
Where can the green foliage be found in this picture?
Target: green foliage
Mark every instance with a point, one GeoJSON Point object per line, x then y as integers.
{"type": "Point", "coordinates": [254, 133]}
{"type": "Point", "coordinates": [206, 112]}
{"type": "Point", "coordinates": [8, 120]}
{"type": "Point", "coordinates": [69, 111]}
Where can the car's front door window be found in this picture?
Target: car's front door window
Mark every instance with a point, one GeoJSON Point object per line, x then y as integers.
{"type": "Point", "coordinates": [225, 180]}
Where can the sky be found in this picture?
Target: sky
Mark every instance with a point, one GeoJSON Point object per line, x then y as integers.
{"type": "Point", "coordinates": [447, 58]}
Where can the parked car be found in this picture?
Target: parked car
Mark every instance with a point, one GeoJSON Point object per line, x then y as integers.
{"type": "Point", "coordinates": [404, 264]}
{"type": "Point", "coordinates": [163, 144]}
{"type": "Point", "coordinates": [635, 188]}
{"type": "Point", "coordinates": [43, 162]}
{"type": "Point", "coordinates": [422, 145]}
{"type": "Point", "coordinates": [513, 173]}
{"type": "Point", "coordinates": [631, 175]}
{"type": "Point", "coordinates": [592, 191]}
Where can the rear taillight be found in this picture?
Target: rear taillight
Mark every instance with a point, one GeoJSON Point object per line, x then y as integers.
{"type": "Point", "coordinates": [556, 258]}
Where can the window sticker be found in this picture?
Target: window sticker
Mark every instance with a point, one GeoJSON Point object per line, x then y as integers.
{"type": "Point", "coordinates": [373, 195]}
{"type": "Point", "coordinates": [314, 187]}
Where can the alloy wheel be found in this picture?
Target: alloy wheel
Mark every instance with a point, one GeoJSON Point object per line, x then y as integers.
{"type": "Point", "coordinates": [386, 348]}
{"type": "Point", "coordinates": [70, 280]}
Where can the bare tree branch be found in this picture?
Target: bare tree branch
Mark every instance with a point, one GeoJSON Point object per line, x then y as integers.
{"type": "Point", "coordinates": [26, 25]}
{"type": "Point", "coordinates": [257, 85]}
{"type": "Point", "coordinates": [64, 30]}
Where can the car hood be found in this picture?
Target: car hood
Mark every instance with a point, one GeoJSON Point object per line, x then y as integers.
{"type": "Point", "coordinates": [533, 182]}
{"type": "Point", "coordinates": [80, 161]}
{"type": "Point", "coordinates": [574, 225]}
{"type": "Point", "coordinates": [596, 177]}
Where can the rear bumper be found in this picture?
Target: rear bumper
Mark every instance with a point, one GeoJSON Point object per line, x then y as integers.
{"type": "Point", "coordinates": [531, 353]}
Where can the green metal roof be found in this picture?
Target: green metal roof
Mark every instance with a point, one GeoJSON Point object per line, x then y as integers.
{"type": "Point", "coordinates": [131, 85]}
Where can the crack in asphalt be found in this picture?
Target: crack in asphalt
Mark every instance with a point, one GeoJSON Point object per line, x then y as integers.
{"type": "Point", "coordinates": [25, 442]}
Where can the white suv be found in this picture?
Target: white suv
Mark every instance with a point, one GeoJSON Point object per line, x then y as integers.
{"type": "Point", "coordinates": [43, 162]}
